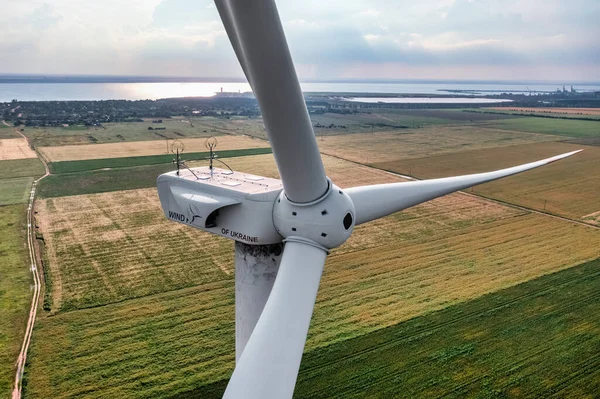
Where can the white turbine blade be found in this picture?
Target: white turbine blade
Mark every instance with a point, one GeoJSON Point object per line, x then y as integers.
{"type": "Point", "coordinates": [269, 364]}
{"type": "Point", "coordinates": [376, 201]}
{"type": "Point", "coordinates": [255, 31]}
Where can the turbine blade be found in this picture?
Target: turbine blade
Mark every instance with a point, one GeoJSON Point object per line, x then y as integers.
{"type": "Point", "coordinates": [269, 364]}
{"type": "Point", "coordinates": [376, 201]}
{"type": "Point", "coordinates": [255, 31]}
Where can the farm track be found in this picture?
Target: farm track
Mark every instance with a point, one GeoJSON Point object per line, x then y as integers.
{"type": "Point", "coordinates": [37, 284]}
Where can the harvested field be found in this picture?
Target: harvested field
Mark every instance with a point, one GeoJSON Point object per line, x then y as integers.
{"type": "Point", "coordinates": [143, 148]}
{"type": "Point", "coordinates": [569, 188]}
{"type": "Point", "coordinates": [15, 294]}
{"type": "Point", "coordinates": [415, 143]}
{"type": "Point", "coordinates": [107, 248]}
{"type": "Point", "coordinates": [15, 149]}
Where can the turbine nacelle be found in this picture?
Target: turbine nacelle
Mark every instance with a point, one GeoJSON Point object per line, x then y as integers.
{"type": "Point", "coordinates": [235, 205]}
{"type": "Point", "coordinates": [254, 209]}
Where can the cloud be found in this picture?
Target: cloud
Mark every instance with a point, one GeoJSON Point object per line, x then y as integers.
{"type": "Point", "coordinates": [328, 39]}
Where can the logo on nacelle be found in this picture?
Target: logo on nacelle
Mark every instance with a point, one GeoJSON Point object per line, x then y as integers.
{"type": "Point", "coordinates": [192, 215]}
{"type": "Point", "coordinates": [177, 216]}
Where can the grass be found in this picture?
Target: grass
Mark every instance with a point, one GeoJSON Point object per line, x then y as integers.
{"type": "Point", "coordinates": [15, 291]}
{"type": "Point", "coordinates": [568, 188]}
{"type": "Point", "coordinates": [21, 168]}
{"type": "Point", "coordinates": [15, 191]}
{"type": "Point", "coordinates": [94, 164]}
{"type": "Point", "coordinates": [553, 126]}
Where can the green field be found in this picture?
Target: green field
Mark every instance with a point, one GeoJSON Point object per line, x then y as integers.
{"type": "Point", "coordinates": [557, 127]}
{"type": "Point", "coordinates": [94, 164]}
{"type": "Point", "coordinates": [21, 168]}
{"type": "Point", "coordinates": [100, 181]}
{"type": "Point", "coordinates": [7, 133]}
{"type": "Point", "coordinates": [89, 179]}
{"type": "Point", "coordinates": [15, 191]}
{"type": "Point", "coordinates": [163, 345]}
{"type": "Point", "coordinates": [540, 339]}
{"type": "Point", "coordinates": [15, 280]}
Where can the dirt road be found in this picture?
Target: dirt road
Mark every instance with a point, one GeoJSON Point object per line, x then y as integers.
{"type": "Point", "coordinates": [37, 284]}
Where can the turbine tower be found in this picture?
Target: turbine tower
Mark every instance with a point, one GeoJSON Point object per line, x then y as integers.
{"type": "Point", "coordinates": [283, 229]}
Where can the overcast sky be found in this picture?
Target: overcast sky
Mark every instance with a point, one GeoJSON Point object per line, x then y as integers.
{"type": "Point", "coordinates": [329, 39]}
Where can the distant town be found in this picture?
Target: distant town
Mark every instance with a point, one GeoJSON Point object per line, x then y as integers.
{"type": "Point", "coordinates": [228, 104]}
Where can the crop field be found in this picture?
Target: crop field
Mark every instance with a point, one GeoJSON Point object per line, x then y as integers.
{"type": "Point", "coordinates": [176, 128]}
{"type": "Point", "coordinates": [128, 162]}
{"type": "Point", "coordinates": [144, 148]}
{"type": "Point", "coordinates": [15, 190]}
{"type": "Point", "coordinates": [147, 341]}
{"type": "Point", "coordinates": [15, 149]}
{"type": "Point", "coordinates": [6, 132]}
{"type": "Point", "coordinates": [416, 143]}
{"type": "Point", "coordinates": [15, 291]}
{"type": "Point", "coordinates": [100, 181]}
{"type": "Point", "coordinates": [488, 347]}
{"type": "Point", "coordinates": [444, 115]}
{"type": "Point", "coordinates": [550, 110]}
{"type": "Point", "coordinates": [554, 126]}
{"type": "Point", "coordinates": [327, 124]}
{"type": "Point", "coordinates": [113, 174]}
{"type": "Point", "coordinates": [21, 168]}
{"type": "Point", "coordinates": [569, 188]}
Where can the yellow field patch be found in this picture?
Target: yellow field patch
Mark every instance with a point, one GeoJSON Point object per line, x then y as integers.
{"type": "Point", "coordinates": [143, 148]}
{"type": "Point", "coordinates": [15, 149]}
{"type": "Point", "coordinates": [369, 148]}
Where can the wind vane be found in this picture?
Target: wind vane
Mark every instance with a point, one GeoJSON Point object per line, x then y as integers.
{"type": "Point", "coordinates": [177, 148]}
{"type": "Point", "coordinates": [211, 144]}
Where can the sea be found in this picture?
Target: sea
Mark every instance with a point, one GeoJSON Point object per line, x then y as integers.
{"type": "Point", "coordinates": [64, 91]}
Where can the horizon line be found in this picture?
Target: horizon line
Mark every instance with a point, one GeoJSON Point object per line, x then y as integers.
{"type": "Point", "coordinates": [102, 78]}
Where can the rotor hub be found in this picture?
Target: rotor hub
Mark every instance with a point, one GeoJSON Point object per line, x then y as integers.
{"type": "Point", "coordinates": [328, 221]}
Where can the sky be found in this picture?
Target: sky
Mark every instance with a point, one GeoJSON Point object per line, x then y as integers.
{"type": "Point", "coordinates": [543, 40]}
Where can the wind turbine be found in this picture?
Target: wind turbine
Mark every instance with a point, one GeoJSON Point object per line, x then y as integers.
{"type": "Point", "coordinates": [276, 292]}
